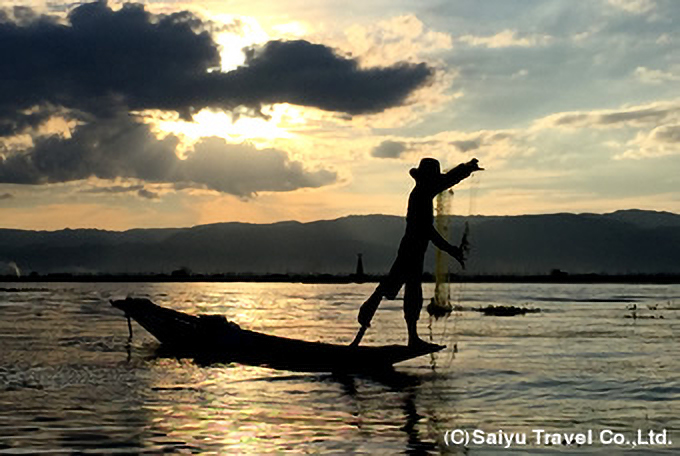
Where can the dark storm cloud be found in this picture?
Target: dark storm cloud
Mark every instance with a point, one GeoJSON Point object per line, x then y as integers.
{"type": "Point", "coordinates": [122, 148]}
{"type": "Point", "coordinates": [101, 61]}
{"type": "Point", "coordinates": [12, 122]}
{"type": "Point", "coordinates": [467, 145]}
{"type": "Point", "coordinates": [117, 147]}
{"type": "Point", "coordinates": [148, 194]}
{"type": "Point", "coordinates": [389, 149]}
{"type": "Point", "coordinates": [307, 74]}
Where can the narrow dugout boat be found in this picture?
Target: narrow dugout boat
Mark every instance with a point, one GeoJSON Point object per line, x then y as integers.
{"type": "Point", "coordinates": [213, 338]}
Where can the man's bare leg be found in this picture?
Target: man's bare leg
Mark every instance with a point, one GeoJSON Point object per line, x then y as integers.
{"type": "Point", "coordinates": [413, 303]}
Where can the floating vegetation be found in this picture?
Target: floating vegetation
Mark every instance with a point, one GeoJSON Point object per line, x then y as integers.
{"type": "Point", "coordinates": [438, 310]}
{"type": "Point", "coordinates": [23, 290]}
{"type": "Point", "coordinates": [636, 316]}
{"type": "Point", "coordinates": [506, 311]}
{"type": "Point", "coordinates": [589, 300]}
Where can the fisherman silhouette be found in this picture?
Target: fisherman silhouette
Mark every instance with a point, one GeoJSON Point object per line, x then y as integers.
{"type": "Point", "coordinates": [407, 269]}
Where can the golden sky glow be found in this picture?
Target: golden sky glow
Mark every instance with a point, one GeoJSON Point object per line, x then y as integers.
{"type": "Point", "coordinates": [242, 128]}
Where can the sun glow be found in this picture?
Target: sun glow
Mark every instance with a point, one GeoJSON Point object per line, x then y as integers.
{"type": "Point", "coordinates": [294, 29]}
{"type": "Point", "coordinates": [238, 128]}
{"type": "Point", "coordinates": [241, 32]}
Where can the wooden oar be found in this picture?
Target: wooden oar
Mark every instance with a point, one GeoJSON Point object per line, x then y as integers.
{"type": "Point", "coordinates": [359, 336]}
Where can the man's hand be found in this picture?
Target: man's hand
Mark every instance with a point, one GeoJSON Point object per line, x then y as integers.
{"type": "Point", "coordinates": [458, 254]}
{"type": "Point", "coordinates": [474, 165]}
{"type": "Point", "coordinates": [442, 244]}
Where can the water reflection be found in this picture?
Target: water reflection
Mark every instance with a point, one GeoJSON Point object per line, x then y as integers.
{"type": "Point", "coordinates": [406, 386]}
{"type": "Point", "coordinates": [248, 409]}
{"type": "Point", "coordinates": [70, 382]}
{"type": "Point", "coordinates": [70, 408]}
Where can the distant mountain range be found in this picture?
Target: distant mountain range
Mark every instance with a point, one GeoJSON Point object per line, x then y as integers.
{"type": "Point", "coordinates": [622, 242]}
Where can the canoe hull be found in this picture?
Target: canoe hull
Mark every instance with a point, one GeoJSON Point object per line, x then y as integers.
{"type": "Point", "coordinates": [212, 338]}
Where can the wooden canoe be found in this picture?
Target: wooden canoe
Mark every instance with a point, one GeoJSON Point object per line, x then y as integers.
{"type": "Point", "coordinates": [214, 339]}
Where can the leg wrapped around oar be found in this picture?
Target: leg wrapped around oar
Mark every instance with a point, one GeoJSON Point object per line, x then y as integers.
{"type": "Point", "coordinates": [366, 313]}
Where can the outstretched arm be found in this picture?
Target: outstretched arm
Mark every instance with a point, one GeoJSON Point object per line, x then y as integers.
{"type": "Point", "coordinates": [443, 244]}
{"type": "Point", "coordinates": [458, 173]}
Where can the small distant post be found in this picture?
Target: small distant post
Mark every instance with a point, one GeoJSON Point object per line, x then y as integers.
{"type": "Point", "coordinates": [359, 275]}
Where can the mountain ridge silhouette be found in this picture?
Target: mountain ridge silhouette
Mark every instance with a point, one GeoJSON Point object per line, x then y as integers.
{"type": "Point", "coordinates": [621, 242]}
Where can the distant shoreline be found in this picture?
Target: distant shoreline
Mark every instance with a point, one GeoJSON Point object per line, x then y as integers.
{"type": "Point", "coordinates": [635, 245]}
{"type": "Point", "coordinates": [344, 279]}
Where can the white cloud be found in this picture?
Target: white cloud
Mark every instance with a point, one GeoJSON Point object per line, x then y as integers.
{"type": "Point", "coordinates": [664, 39]}
{"type": "Point", "coordinates": [634, 6]}
{"type": "Point", "coordinates": [659, 142]}
{"type": "Point", "coordinates": [523, 73]}
{"type": "Point", "coordinates": [654, 127]}
{"type": "Point", "coordinates": [396, 39]}
{"type": "Point", "coordinates": [650, 76]}
{"type": "Point", "coordinates": [506, 38]}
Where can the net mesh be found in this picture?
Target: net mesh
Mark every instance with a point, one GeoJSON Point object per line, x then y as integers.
{"type": "Point", "coordinates": [443, 305]}
{"type": "Point", "coordinates": [440, 305]}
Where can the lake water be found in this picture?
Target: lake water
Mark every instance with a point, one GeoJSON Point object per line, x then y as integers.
{"type": "Point", "coordinates": [69, 384]}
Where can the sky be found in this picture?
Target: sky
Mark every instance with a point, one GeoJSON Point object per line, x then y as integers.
{"type": "Point", "coordinates": [179, 113]}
